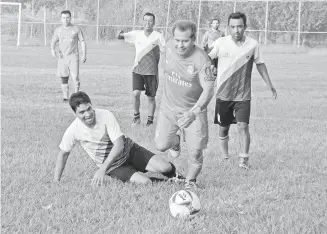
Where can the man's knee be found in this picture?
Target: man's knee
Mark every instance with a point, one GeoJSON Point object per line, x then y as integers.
{"type": "Point", "coordinates": [242, 126]}
{"type": "Point", "coordinates": [139, 178]}
{"type": "Point", "coordinates": [151, 99]}
{"type": "Point", "coordinates": [162, 146]}
{"type": "Point", "coordinates": [136, 93]}
{"type": "Point", "coordinates": [223, 132]}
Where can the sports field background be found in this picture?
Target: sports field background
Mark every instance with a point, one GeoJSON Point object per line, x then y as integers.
{"type": "Point", "coordinates": [285, 191]}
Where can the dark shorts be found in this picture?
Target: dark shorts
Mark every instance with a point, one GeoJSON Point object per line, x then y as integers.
{"type": "Point", "coordinates": [149, 83]}
{"type": "Point", "coordinates": [231, 112]}
{"type": "Point", "coordinates": [215, 62]}
{"type": "Point", "coordinates": [139, 158]}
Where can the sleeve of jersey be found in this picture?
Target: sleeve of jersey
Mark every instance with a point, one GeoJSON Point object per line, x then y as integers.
{"type": "Point", "coordinates": [130, 37]}
{"type": "Point", "coordinates": [113, 127]}
{"type": "Point", "coordinates": [68, 140]}
{"type": "Point", "coordinates": [258, 55]}
{"type": "Point", "coordinates": [206, 77]}
{"type": "Point", "coordinates": [55, 36]}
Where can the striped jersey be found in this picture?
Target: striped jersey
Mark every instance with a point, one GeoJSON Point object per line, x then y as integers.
{"type": "Point", "coordinates": [68, 39]}
{"type": "Point", "coordinates": [148, 49]}
{"type": "Point", "coordinates": [235, 67]}
{"type": "Point", "coordinates": [97, 141]}
{"type": "Point", "coordinates": [185, 79]}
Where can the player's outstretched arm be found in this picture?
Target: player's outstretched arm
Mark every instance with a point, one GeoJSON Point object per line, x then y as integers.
{"type": "Point", "coordinates": [60, 164]}
{"type": "Point", "coordinates": [115, 152]}
{"type": "Point", "coordinates": [262, 69]}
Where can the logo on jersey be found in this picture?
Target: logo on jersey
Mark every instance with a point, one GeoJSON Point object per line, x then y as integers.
{"type": "Point", "coordinates": [175, 78]}
{"type": "Point", "coordinates": [190, 69]}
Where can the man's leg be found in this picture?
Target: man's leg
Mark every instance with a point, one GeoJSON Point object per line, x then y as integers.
{"type": "Point", "coordinates": [151, 86]}
{"type": "Point", "coordinates": [242, 115]}
{"type": "Point", "coordinates": [223, 140]}
{"type": "Point", "coordinates": [63, 72]}
{"type": "Point", "coordinates": [138, 86]}
{"type": "Point", "coordinates": [74, 72]}
{"type": "Point", "coordinates": [165, 136]}
{"type": "Point", "coordinates": [195, 162]}
{"type": "Point", "coordinates": [127, 173]}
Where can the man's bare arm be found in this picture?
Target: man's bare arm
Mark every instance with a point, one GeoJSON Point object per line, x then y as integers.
{"type": "Point", "coordinates": [262, 69]}
{"type": "Point", "coordinates": [60, 164]}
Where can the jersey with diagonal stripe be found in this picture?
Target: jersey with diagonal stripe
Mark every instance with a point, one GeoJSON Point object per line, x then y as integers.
{"type": "Point", "coordinates": [68, 39]}
{"type": "Point", "coordinates": [235, 67]}
{"type": "Point", "coordinates": [97, 141]}
{"type": "Point", "coordinates": [148, 49]}
{"type": "Point", "coordinates": [185, 79]}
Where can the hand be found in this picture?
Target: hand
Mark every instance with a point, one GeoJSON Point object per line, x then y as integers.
{"type": "Point", "coordinates": [53, 53]}
{"type": "Point", "coordinates": [119, 34]}
{"type": "Point", "coordinates": [187, 118]}
{"type": "Point", "coordinates": [98, 177]}
{"type": "Point", "coordinates": [274, 92]}
{"type": "Point", "coordinates": [83, 58]}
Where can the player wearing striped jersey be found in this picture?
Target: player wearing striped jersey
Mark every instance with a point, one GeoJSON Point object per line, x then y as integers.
{"type": "Point", "coordinates": [116, 155]}
{"type": "Point", "coordinates": [148, 45]}
{"type": "Point", "coordinates": [188, 88]}
{"type": "Point", "coordinates": [68, 35]}
{"type": "Point", "coordinates": [209, 37]}
{"type": "Point", "coordinates": [236, 54]}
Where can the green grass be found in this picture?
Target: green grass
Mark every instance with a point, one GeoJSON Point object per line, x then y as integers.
{"type": "Point", "coordinates": [284, 192]}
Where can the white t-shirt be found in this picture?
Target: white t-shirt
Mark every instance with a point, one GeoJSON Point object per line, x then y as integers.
{"type": "Point", "coordinates": [235, 67]}
{"type": "Point", "coordinates": [148, 50]}
{"type": "Point", "coordinates": [97, 141]}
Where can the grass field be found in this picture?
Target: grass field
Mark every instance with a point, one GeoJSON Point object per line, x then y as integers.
{"type": "Point", "coordinates": [285, 191]}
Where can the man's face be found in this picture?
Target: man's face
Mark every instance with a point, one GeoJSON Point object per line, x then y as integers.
{"type": "Point", "coordinates": [215, 24]}
{"type": "Point", "coordinates": [236, 29]}
{"type": "Point", "coordinates": [86, 114]}
{"type": "Point", "coordinates": [183, 42]}
{"type": "Point", "coordinates": [65, 19]}
{"type": "Point", "coordinates": [148, 22]}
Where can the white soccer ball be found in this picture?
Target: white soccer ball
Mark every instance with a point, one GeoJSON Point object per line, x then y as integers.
{"type": "Point", "coordinates": [183, 204]}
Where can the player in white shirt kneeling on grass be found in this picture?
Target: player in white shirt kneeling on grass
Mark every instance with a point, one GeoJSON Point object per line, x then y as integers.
{"type": "Point", "coordinates": [116, 155]}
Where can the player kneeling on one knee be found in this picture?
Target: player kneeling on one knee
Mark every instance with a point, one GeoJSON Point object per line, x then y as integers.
{"type": "Point", "coordinates": [116, 155]}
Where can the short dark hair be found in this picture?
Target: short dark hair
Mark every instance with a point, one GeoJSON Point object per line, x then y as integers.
{"type": "Point", "coordinates": [66, 12]}
{"type": "Point", "coordinates": [149, 14]}
{"type": "Point", "coordinates": [77, 99]}
{"type": "Point", "coordinates": [184, 25]}
{"type": "Point", "coordinates": [214, 20]}
{"type": "Point", "coordinates": [237, 15]}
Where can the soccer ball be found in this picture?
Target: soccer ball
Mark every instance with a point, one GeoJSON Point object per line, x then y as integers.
{"type": "Point", "coordinates": [183, 204]}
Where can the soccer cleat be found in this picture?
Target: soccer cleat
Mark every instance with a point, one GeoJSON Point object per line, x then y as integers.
{"type": "Point", "coordinates": [244, 163]}
{"type": "Point", "coordinates": [178, 178]}
{"type": "Point", "coordinates": [175, 151]}
{"type": "Point", "coordinates": [65, 100]}
{"type": "Point", "coordinates": [226, 157]}
{"type": "Point", "coordinates": [136, 120]}
{"type": "Point", "coordinates": [191, 184]}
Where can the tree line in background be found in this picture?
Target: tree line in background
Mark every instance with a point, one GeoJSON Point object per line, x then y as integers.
{"type": "Point", "coordinates": [283, 16]}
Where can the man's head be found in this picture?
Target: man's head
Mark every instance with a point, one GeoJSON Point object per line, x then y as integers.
{"type": "Point", "coordinates": [66, 17]}
{"type": "Point", "coordinates": [149, 21]}
{"type": "Point", "coordinates": [215, 24]}
{"type": "Point", "coordinates": [237, 25]}
{"type": "Point", "coordinates": [81, 104]}
{"type": "Point", "coordinates": [184, 32]}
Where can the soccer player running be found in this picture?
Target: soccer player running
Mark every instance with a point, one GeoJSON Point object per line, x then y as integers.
{"type": "Point", "coordinates": [209, 37]}
{"type": "Point", "coordinates": [148, 44]}
{"type": "Point", "coordinates": [188, 88]}
{"type": "Point", "coordinates": [116, 155]}
{"type": "Point", "coordinates": [68, 36]}
{"type": "Point", "coordinates": [236, 54]}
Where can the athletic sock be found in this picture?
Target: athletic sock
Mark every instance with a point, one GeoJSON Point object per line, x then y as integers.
{"type": "Point", "coordinates": [65, 90]}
